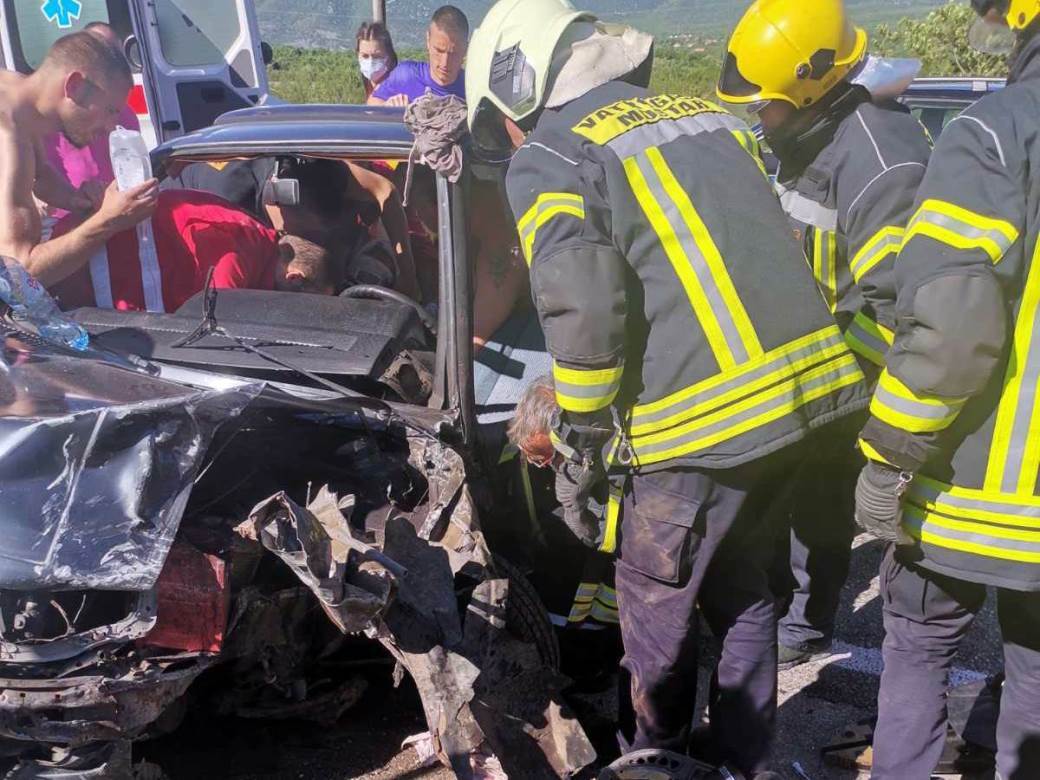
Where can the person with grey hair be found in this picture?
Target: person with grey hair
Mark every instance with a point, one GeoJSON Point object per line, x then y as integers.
{"type": "Point", "coordinates": [537, 415]}
{"type": "Point", "coordinates": [533, 420]}
{"type": "Point", "coordinates": [584, 595]}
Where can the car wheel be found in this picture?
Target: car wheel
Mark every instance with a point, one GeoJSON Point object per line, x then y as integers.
{"type": "Point", "coordinates": [526, 616]}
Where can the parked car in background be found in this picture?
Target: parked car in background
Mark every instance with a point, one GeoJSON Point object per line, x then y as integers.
{"type": "Point", "coordinates": [935, 101]}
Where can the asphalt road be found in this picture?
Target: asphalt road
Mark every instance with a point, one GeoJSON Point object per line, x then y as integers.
{"type": "Point", "coordinates": [817, 701]}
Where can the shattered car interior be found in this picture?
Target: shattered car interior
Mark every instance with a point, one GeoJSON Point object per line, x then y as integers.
{"type": "Point", "coordinates": [239, 491]}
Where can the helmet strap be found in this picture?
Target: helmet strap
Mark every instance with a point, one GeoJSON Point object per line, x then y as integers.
{"type": "Point", "coordinates": [528, 123]}
{"type": "Point", "coordinates": [808, 132]}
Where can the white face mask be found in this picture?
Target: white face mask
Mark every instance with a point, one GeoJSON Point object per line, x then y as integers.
{"type": "Point", "coordinates": [370, 68]}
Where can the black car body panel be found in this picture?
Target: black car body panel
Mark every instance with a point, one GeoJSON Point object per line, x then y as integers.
{"type": "Point", "coordinates": [288, 459]}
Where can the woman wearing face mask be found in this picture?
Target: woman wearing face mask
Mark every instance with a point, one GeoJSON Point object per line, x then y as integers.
{"type": "Point", "coordinates": [376, 55]}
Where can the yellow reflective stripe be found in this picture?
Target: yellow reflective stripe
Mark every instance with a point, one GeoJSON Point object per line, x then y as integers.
{"type": "Point", "coordinates": [613, 515]}
{"type": "Point", "coordinates": [900, 407]}
{"type": "Point", "coordinates": [886, 242]}
{"type": "Point", "coordinates": [587, 378]}
{"type": "Point", "coordinates": [742, 390]}
{"type": "Point", "coordinates": [792, 395]}
{"type": "Point", "coordinates": [673, 249]}
{"type": "Point", "coordinates": [962, 229]}
{"type": "Point", "coordinates": [546, 207]}
{"type": "Point", "coordinates": [545, 197]}
{"type": "Point", "coordinates": [742, 139]}
{"type": "Point", "coordinates": [711, 253]}
{"type": "Point", "coordinates": [983, 529]}
{"type": "Point", "coordinates": [872, 454]}
{"type": "Point", "coordinates": [1028, 474]}
{"type": "Point", "coordinates": [749, 142]}
{"type": "Point", "coordinates": [695, 259]}
{"type": "Point", "coordinates": [824, 335]}
{"type": "Point", "coordinates": [975, 505]}
{"type": "Point", "coordinates": [604, 613]}
{"type": "Point", "coordinates": [594, 600]}
{"type": "Point", "coordinates": [578, 390]}
{"type": "Point", "coordinates": [925, 519]}
{"type": "Point", "coordinates": [561, 446]}
{"type": "Point", "coordinates": [825, 265]}
{"type": "Point", "coordinates": [1014, 459]}
{"type": "Point", "coordinates": [869, 338]}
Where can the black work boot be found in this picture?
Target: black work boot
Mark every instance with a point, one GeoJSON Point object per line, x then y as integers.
{"type": "Point", "coordinates": [790, 656]}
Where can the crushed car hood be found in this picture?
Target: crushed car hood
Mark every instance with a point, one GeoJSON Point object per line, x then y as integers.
{"type": "Point", "coordinates": [97, 463]}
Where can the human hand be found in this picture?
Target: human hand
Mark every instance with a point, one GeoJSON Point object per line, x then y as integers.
{"type": "Point", "coordinates": [89, 196]}
{"type": "Point", "coordinates": [399, 101]}
{"type": "Point", "coordinates": [121, 211]}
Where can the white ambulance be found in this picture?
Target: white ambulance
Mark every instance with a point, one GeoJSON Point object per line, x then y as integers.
{"type": "Point", "coordinates": [193, 59]}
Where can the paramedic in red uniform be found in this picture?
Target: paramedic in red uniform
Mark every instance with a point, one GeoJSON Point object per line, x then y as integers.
{"type": "Point", "coordinates": [194, 232]}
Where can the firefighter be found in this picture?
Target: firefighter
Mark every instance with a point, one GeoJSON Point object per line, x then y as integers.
{"type": "Point", "coordinates": [692, 351]}
{"type": "Point", "coordinates": [954, 433]}
{"type": "Point", "coordinates": [851, 159]}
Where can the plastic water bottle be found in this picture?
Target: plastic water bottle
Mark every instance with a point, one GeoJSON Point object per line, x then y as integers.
{"type": "Point", "coordinates": [132, 166]}
{"type": "Point", "coordinates": [130, 161]}
{"type": "Point", "coordinates": [31, 302]}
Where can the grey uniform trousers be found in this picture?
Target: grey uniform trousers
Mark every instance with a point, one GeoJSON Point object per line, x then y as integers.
{"type": "Point", "coordinates": [926, 615]}
{"type": "Point", "coordinates": [820, 523]}
{"type": "Point", "coordinates": [701, 537]}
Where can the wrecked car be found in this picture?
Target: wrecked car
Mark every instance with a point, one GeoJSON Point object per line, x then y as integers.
{"type": "Point", "coordinates": [251, 484]}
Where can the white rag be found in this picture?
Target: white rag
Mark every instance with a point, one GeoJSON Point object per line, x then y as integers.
{"type": "Point", "coordinates": [592, 54]}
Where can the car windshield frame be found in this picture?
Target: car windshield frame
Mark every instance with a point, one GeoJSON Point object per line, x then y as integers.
{"type": "Point", "coordinates": [329, 133]}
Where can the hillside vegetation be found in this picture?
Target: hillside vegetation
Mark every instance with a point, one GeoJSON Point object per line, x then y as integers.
{"type": "Point", "coordinates": [939, 40]}
{"type": "Point", "coordinates": [331, 24]}
{"type": "Point", "coordinates": [323, 76]}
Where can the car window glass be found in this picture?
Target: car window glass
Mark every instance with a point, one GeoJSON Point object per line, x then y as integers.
{"type": "Point", "coordinates": [951, 114]}
{"type": "Point", "coordinates": [34, 26]}
{"type": "Point", "coordinates": [197, 32]}
{"type": "Point", "coordinates": [933, 119]}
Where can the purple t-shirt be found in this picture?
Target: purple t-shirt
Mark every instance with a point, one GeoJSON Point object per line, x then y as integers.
{"type": "Point", "coordinates": [412, 78]}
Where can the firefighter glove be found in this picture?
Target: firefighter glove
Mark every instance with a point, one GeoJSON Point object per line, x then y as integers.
{"type": "Point", "coordinates": [879, 502]}
{"type": "Point", "coordinates": [575, 483]}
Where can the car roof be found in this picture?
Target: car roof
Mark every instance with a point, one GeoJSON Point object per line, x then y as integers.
{"type": "Point", "coordinates": [353, 131]}
{"type": "Point", "coordinates": [950, 91]}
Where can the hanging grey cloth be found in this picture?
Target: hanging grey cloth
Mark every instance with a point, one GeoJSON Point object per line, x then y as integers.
{"type": "Point", "coordinates": [439, 126]}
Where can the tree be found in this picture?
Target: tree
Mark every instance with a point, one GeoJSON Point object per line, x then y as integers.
{"type": "Point", "coordinates": [940, 41]}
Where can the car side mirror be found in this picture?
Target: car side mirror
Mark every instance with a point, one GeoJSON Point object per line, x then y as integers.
{"type": "Point", "coordinates": [266, 52]}
{"type": "Point", "coordinates": [282, 192]}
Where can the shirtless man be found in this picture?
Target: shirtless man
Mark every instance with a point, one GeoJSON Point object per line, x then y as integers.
{"type": "Point", "coordinates": [78, 90]}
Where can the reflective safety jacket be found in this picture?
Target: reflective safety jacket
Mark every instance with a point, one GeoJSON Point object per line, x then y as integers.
{"type": "Point", "coordinates": [850, 207]}
{"type": "Point", "coordinates": [959, 401]}
{"type": "Point", "coordinates": [669, 285]}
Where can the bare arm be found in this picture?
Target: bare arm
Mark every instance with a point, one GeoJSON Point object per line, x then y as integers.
{"type": "Point", "coordinates": [19, 216]}
{"type": "Point", "coordinates": [52, 261]}
{"type": "Point", "coordinates": [395, 222]}
{"type": "Point", "coordinates": [399, 101]}
{"type": "Point", "coordinates": [500, 283]}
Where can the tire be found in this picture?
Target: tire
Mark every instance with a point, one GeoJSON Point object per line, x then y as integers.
{"type": "Point", "coordinates": [526, 617]}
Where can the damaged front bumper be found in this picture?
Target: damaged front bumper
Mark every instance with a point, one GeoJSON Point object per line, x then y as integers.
{"type": "Point", "coordinates": [98, 644]}
{"type": "Point", "coordinates": [112, 706]}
